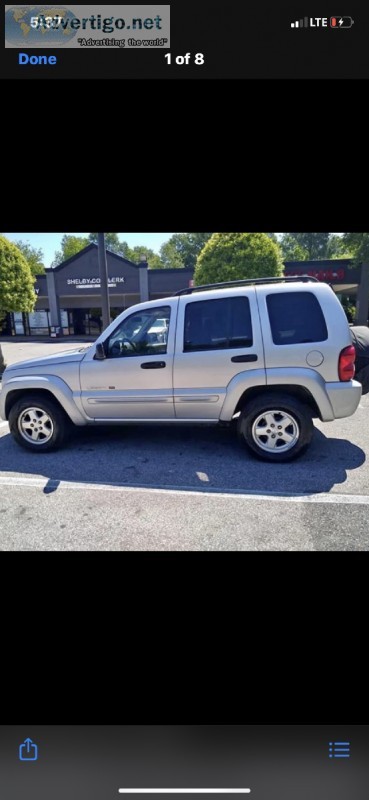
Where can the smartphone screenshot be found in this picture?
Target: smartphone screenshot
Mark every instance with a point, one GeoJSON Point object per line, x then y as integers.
{"type": "Point", "coordinates": [183, 415]}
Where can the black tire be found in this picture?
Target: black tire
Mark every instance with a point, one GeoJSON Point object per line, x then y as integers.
{"type": "Point", "coordinates": [55, 432]}
{"type": "Point", "coordinates": [300, 427]}
{"type": "Point", "coordinates": [363, 378]}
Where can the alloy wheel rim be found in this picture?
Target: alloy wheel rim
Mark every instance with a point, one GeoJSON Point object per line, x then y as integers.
{"type": "Point", "coordinates": [275, 431]}
{"type": "Point", "coordinates": [35, 425]}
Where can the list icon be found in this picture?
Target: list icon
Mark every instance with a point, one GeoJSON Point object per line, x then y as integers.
{"type": "Point", "coordinates": [339, 750]}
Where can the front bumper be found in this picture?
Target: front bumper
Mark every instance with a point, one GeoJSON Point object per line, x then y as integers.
{"type": "Point", "coordinates": [2, 401]}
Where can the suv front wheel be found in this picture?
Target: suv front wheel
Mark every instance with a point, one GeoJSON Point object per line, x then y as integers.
{"type": "Point", "coordinates": [276, 427]}
{"type": "Point", "coordinates": [38, 424]}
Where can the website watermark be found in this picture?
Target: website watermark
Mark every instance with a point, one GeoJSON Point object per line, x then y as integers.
{"type": "Point", "coordinates": [131, 26]}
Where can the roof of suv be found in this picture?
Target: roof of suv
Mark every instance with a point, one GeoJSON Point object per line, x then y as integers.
{"type": "Point", "coordinates": [249, 282]}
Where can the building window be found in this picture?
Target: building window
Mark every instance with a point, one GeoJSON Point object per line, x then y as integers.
{"type": "Point", "coordinates": [64, 321]}
{"type": "Point", "coordinates": [38, 323]}
{"type": "Point", "coordinates": [18, 323]}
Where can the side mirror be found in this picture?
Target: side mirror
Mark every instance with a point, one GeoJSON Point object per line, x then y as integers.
{"type": "Point", "coordinates": [100, 352]}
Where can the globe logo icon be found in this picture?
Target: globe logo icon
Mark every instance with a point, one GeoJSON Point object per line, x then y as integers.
{"type": "Point", "coordinates": [20, 30]}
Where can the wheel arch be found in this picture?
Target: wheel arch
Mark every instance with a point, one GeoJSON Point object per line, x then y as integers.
{"type": "Point", "coordinates": [299, 392]}
{"type": "Point", "coordinates": [17, 394]}
{"type": "Point", "coordinates": [56, 390]}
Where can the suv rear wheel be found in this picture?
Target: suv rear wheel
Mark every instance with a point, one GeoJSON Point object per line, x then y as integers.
{"type": "Point", "coordinates": [38, 424]}
{"type": "Point", "coordinates": [276, 427]}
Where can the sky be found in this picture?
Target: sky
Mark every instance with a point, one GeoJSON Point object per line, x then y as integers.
{"type": "Point", "coordinates": [49, 242]}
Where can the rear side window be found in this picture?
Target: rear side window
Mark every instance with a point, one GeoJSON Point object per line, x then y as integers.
{"type": "Point", "coordinates": [217, 324]}
{"type": "Point", "coordinates": [296, 318]}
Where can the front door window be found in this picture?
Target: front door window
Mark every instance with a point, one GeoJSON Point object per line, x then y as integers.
{"type": "Point", "coordinates": [143, 333]}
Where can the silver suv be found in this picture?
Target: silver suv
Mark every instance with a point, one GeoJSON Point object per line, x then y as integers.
{"type": "Point", "coordinates": [270, 353]}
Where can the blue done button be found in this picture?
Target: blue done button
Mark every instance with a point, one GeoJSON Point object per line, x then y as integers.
{"type": "Point", "coordinates": [24, 58]}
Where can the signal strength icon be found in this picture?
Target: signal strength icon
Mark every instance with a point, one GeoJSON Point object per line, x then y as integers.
{"type": "Point", "coordinates": [302, 23]}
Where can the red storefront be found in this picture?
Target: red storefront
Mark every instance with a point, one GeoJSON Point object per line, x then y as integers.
{"type": "Point", "coordinates": [349, 281]}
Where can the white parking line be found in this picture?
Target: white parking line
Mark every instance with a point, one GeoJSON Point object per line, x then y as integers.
{"type": "Point", "coordinates": [3, 424]}
{"type": "Point", "coordinates": [52, 484]}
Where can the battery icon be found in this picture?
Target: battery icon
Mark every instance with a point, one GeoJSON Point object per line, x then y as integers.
{"type": "Point", "coordinates": [341, 22]}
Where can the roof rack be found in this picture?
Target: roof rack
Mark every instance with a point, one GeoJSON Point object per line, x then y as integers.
{"type": "Point", "coordinates": [249, 282]}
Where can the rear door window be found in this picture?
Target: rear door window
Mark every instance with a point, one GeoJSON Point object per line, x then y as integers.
{"type": "Point", "coordinates": [217, 324]}
{"type": "Point", "coordinates": [296, 318]}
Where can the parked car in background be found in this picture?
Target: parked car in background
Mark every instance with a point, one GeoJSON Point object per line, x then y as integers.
{"type": "Point", "coordinates": [159, 331]}
{"type": "Point", "coordinates": [269, 353]}
{"type": "Point", "coordinates": [2, 363]}
{"type": "Point", "coordinates": [360, 340]}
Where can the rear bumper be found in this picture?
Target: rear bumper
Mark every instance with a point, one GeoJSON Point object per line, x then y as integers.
{"type": "Point", "coordinates": [344, 397]}
{"type": "Point", "coordinates": [2, 403]}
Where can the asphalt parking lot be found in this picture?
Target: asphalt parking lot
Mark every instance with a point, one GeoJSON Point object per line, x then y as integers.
{"type": "Point", "coordinates": [198, 488]}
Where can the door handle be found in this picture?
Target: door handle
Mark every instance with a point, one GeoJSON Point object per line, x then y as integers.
{"type": "Point", "coordinates": [240, 359]}
{"type": "Point", "coordinates": [153, 365]}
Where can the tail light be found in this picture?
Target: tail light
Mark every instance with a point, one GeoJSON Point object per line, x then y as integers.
{"type": "Point", "coordinates": [346, 363]}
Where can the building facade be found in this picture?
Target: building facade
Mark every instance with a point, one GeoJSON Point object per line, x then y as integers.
{"type": "Point", "coordinates": [68, 297]}
{"type": "Point", "coordinates": [349, 282]}
{"type": "Point", "coordinates": [69, 302]}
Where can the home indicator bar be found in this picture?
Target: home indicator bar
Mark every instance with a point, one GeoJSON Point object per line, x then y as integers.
{"type": "Point", "coordinates": [184, 791]}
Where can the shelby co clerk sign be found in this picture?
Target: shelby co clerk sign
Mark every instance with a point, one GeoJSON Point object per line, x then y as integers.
{"type": "Point", "coordinates": [92, 283]}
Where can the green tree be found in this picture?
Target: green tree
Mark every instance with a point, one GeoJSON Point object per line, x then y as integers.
{"type": "Point", "coordinates": [358, 245]}
{"type": "Point", "coordinates": [112, 242]}
{"type": "Point", "coordinates": [234, 256]}
{"type": "Point", "coordinates": [16, 280]}
{"type": "Point", "coordinates": [349, 308]}
{"type": "Point", "coordinates": [182, 249]}
{"type": "Point", "coordinates": [304, 246]}
{"type": "Point", "coordinates": [337, 248]}
{"type": "Point", "coordinates": [70, 246]}
{"type": "Point", "coordinates": [170, 257]}
{"type": "Point", "coordinates": [134, 254]}
{"type": "Point", "coordinates": [291, 250]}
{"type": "Point", "coordinates": [33, 256]}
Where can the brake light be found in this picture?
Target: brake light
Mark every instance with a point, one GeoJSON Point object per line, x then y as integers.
{"type": "Point", "coordinates": [346, 363]}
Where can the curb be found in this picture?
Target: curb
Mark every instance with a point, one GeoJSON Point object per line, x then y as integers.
{"type": "Point", "coordinates": [46, 339]}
